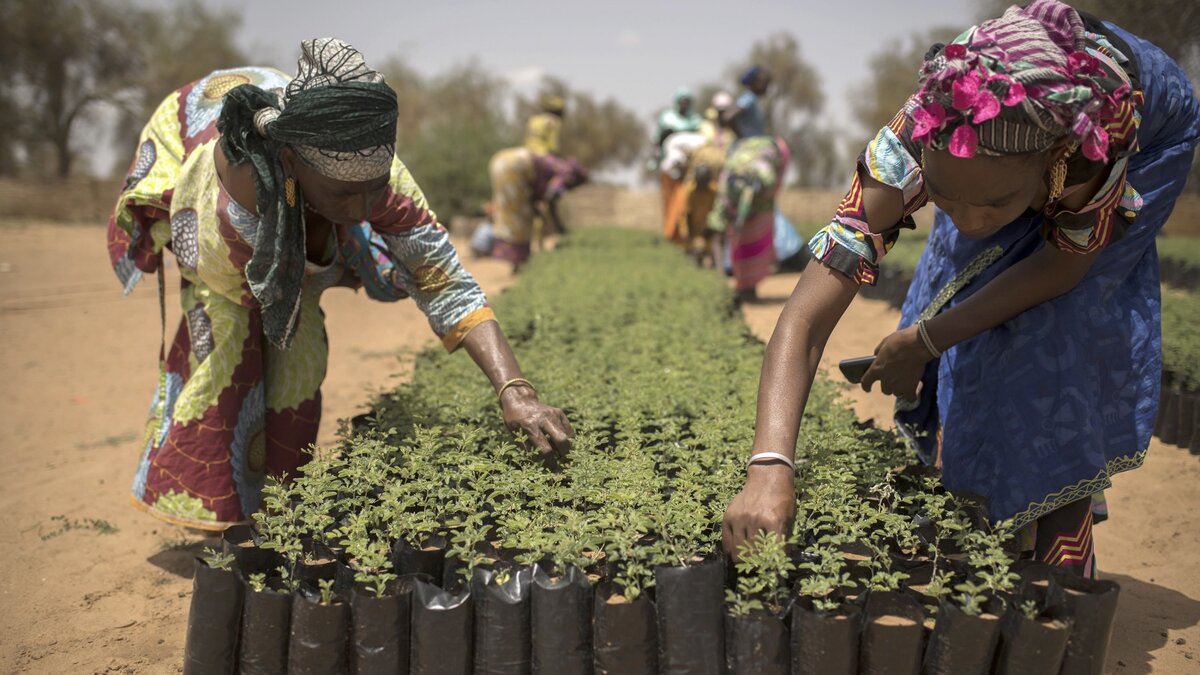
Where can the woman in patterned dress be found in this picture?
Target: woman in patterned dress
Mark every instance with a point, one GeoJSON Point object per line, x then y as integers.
{"type": "Point", "coordinates": [1028, 359]}
{"type": "Point", "coordinates": [268, 190]}
{"type": "Point", "coordinates": [526, 187]}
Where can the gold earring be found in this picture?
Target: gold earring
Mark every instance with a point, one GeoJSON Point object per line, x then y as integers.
{"type": "Point", "coordinates": [289, 191]}
{"type": "Point", "coordinates": [1058, 178]}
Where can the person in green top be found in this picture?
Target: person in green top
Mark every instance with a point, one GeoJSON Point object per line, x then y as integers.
{"type": "Point", "coordinates": [683, 117]}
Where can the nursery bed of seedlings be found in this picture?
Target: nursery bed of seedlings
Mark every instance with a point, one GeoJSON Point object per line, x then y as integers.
{"type": "Point", "coordinates": [432, 542]}
{"type": "Point", "coordinates": [1179, 262]}
{"type": "Point", "coordinates": [1179, 406]}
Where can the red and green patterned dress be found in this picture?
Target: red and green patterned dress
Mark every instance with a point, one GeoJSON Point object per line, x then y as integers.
{"type": "Point", "coordinates": [230, 408]}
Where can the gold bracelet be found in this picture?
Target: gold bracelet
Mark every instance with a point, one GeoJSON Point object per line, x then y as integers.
{"type": "Point", "coordinates": [516, 382]}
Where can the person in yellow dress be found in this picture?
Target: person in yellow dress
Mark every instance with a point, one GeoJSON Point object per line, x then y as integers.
{"type": "Point", "coordinates": [268, 190]}
{"type": "Point", "coordinates": [543, 132]}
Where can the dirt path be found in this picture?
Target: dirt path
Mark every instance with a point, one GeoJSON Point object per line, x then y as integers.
{"type": "Point", "coordinates": [78, 365]}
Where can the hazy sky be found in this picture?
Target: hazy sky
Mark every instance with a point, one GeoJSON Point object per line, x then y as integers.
{"type": "Point", "coordinates": [638, 52]}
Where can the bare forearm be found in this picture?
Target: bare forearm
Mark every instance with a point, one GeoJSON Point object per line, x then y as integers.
{"type": "Point", "coordinates": [489, 349]}
{"type": "Point", "coordinates": [1041, 277]}
{"type": "Point", "coordinates": [794, 353]}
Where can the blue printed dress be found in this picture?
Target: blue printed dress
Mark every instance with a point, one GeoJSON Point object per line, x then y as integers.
{"type": "Point", "coordinates": [1039, 413]}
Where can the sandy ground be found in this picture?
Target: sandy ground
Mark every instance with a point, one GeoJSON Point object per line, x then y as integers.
{"type": "Point", "coordinates": [77, 367]}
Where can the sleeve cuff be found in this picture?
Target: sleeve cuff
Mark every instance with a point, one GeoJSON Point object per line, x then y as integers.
{"type": "Point", "coordinates": [454, 338]}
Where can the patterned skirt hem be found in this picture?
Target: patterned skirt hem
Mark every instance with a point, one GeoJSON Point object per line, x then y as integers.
{"type": "Point", "coordinates": [1082, 489]}
{"type": "Point", "coordinates": [204, 525]}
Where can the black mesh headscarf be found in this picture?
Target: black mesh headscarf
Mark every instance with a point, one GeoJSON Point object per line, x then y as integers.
{"type": "Point", "coordinates": [340, 117]}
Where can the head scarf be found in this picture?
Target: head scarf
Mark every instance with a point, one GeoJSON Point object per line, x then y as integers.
{"type": "Point", "coordinates": [553, 103]}
{"type": "Point", "coordinates": [1015, 85]}
{"type": "Point", "coordinates": [750, 75]}
{"type": "Point", "coordinates": [683, 93]}
{"type": "Point", "coordinates": [722, 100]}
{"type": "Point", "coordinates": [340, 118]}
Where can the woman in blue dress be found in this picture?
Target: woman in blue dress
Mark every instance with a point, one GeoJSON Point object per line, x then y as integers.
{"type": "Point", "coordinates": [1028, 359]}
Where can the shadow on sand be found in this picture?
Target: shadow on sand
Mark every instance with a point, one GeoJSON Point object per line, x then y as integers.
{"type": "Point", "coordinates": [1145, 612]}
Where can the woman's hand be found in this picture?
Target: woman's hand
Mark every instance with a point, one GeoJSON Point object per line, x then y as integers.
{"type": "Point", "coordinates": [899, 364]}
{"type": "Point", "coordinates": [546, 426]}
{"type": "Point", "coordinates": [766, 503]}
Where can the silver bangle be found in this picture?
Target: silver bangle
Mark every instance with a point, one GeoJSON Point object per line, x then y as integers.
{"type": "Point", "coordinates": [924, 333]}
{"type": "Point", "coordinates": [771, 456]}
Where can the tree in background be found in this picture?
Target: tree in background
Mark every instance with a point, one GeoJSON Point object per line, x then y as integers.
{"type": "Point", "coordinates": [893, 78]}
{"type": "Point", "coordinates": [599, 133]}
{"type": "Point", "coordinates": [65, 57]}
{"type": "Point", "coordinates": [68, 59]}
{"type": "Point", "coordinates": [449, 128]}
{"type": "Point", "coordinates": [178, 45]}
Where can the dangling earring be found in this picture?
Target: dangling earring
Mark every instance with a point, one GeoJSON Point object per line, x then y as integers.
{"type": "Point", "coordinates": [289, 191]}
{"type": "Point", "coordinates": [1058, 178]}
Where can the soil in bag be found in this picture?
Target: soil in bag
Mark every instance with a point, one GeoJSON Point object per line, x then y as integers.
{"type": "Point", "coordinates": [379, 642]}
{"type": "Point", "coordinates": [561, 623]}
{"type": "Point", "coordinates": [318, 563]}
{"type": "Point", "coordinates": [266, 624]}
{"type": "Point", "coordinates": [320, 635]}
{"type": "Point", "coordinates": [893, 640]}
{"type": "Point", "coordinates": [825, 643]}
{"type": "Point", "coordinates": [757, 644]}
{"type": "Point", "coordinates": [426, 559]}
{"type": "Point", "coordinates": [624, 637]}
{"type": "Point", "coordinates": [691, 618]}
{"type": "Point", "coordinates": [213, 621]}
{"type": "Point", "coordinates": [442, 630]}
{"type": "Point", "coordinates": [1092, 606]}
{"type": "Point", "coordinates": [1032, 646]}
{"type": "Point", "coordinates": [240, 542]}
{"type": "Point", "coordinates": [962, 644]}
{"type": "Point", "coordinates": [502, 624]}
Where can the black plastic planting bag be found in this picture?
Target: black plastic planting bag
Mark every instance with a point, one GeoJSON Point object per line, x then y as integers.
{"type": "Point", "coordinates": [1032, 646]}
{"type": "Point", "coordinates": [758, 644]}
{"type": "Point", "coordinates": [319, 636]}
{"type": "Point", "coordinates": [406, 559]}
{"type": "Point", "coordinates": [625, 640]}
{"type": "Point", "coordinates": [825, 643]}
{"type": "Point", "coordinates": [266, 623]}
{"type": "Point", "coordinates": [919, 571]}
{"type": "Point", "coordinates": [319, 563]}
{"type": "Point", "coordinates": [442, 629]}
{"type": "Point", "coordinates": [893, 634]}
{"type": "Point", "coordinates": [240, 542]}
{"type": "Point", "coordinates": [1164, 397]}
{"type": "Point", "coordinates": [1194, 445]}
{"type": "Point", "coordinates": [1092, 605]}
{"type": "Point", "coordinates": [213, 621]}
{"type": "Point", "coordinates": [1168, 415]}
{"type": "Point", "coordinates": [502, 637]}
{"type": "Point", "coordinates": [561, 623]}
{"type": "Point", "coordinates": [691, 618]}
{"type": "Point", "coordinates": [1187, 418]}
{"type": "Point", "coordinates": [961, 644]}
{"type": "Point", "coordinates": [380, 630]}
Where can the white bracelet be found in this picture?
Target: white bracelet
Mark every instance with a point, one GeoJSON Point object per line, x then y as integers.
{"type": "Point", "coordinates": [924, 333]}
{"type": "Point", "coordinates": [771, 456]}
